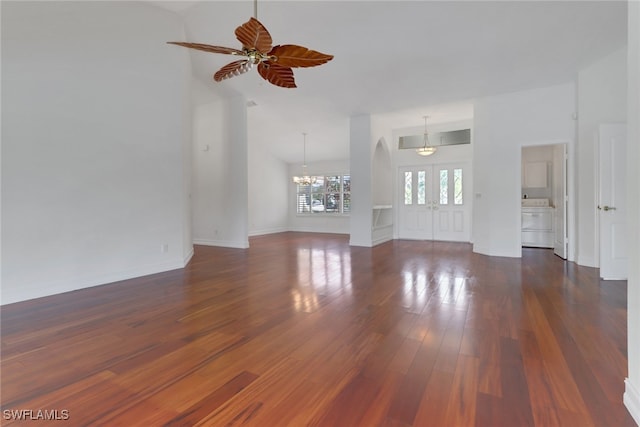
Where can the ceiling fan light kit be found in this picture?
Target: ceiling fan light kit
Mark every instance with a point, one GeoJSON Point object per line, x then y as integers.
{"type": "Point", "coordinates": [274, 63]}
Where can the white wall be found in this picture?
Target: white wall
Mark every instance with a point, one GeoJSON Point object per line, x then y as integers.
{"type": "Point", "coordinates": [502, 125]}
{"type": "Point", "coordinates": [317, 223]}
{"type": "Point", "coordinates": [220, 174]}
{"type": "Point", "coordinates": [381, 169]}
{"type": "Point", "coordinates": [365, 131]}
{"type": "Point", "coordinates": [382, 174]}
{"type": "Point", "coordinates": [94, 120]}
{"type": "Point", "coordinates": [602, 90]}
{"type": "Point", "coordinates": [632, 391]}
{"type": "Point", "coordinates": [361, 156]}
{"type": "Point", "coordinates": [268, 201]}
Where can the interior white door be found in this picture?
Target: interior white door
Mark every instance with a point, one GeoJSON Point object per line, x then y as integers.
{"type": "Point", "coordinates": [434, 203]}
{"type": "Point", "coordinates": [560, 200]}
{"type": "Point", "coordinates": [612, 197]}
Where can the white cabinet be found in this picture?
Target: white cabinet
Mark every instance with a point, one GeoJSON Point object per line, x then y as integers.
{"type": "Point", "coordinates": [535, 175]}
{"type": "Point", "coordinates": [537, 227]}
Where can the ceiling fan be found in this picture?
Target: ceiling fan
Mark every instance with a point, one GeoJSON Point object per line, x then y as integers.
{"type": "Point", "coordinates": [274, 63]}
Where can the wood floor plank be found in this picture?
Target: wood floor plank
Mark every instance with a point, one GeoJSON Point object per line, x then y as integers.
{"type": "Point", "coordinates": [376, 413]}
{"type": "Point", "coordinates": [490, 411]}
{"type": "Point", "coordinates": [450, 347]}
{"type": "Point", "coordinates": [352, 403]}
{"type": "Point", "coordinates": [404, 356]}
{"type": "Point", "coordinates": [257, 398]}
{"type": "Point", "coordinates": [461, 409]}
{"type": "Point", "coordinates": [541, 399]}
{"type": "Point", "coordinates": [213, 401]}
{"type": "Point", "coordinates": [434, 401]}
{"type": "Point", "coordinates": [517, 409]}
{"type": "Point", "coordinates": [89, 403]}
{"type": "Point", "coordinates": [302, 329]}
{"type": "Point", "coordinates": [563, 386]}
{"type": "Point", "coordinates": [406, 401]}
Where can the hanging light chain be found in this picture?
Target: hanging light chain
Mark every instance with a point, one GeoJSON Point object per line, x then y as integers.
{"type": "Point", "coordinates": [426, 134]}
{"type": "Point", "coordinates": [426, 149]}
{"type": "Point", "coordinates": [304, 150]}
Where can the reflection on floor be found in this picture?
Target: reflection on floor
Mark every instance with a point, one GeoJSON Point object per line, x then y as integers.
{"type": "Point", "coordinates": [303, 329]}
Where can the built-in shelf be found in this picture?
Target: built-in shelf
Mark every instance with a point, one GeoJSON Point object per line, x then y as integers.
{"type": "Point", "coordinates": [382, 217]}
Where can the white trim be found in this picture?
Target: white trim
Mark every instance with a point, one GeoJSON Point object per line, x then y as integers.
{"type": "Point", "coordinates": [263, 231]}
{"type": "Point", "coordinates": [222, 243]}
{"type": "Point", "coordinates": [38, 290]}
{"type": "Point", "coordinates": [631, 399]}
{"type": "Point", "coordinates": [363, 244]}
{"type": "Point", "coordinates": [323, 215]}
{"type": "Point", "coordinates": [381, 240]}
{"type": "Point", "coordinates": [586, 261]}
{"type": "Point", "coordinates": [481, 249]}
{"type": "Point", "coordinates": [311, 229]}
{"type": "Point", "coordinates": [188, 257]}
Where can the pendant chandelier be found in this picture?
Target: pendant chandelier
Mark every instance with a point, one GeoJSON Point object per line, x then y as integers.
{"type": "Point", "coordinates": [427, 149]}
{"type": "Point", "coordinates": [305, 179]}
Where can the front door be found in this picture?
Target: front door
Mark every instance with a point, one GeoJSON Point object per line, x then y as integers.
{"type": "Point", "coordinates": [434, 203]}
{"type": "Point", "coordinates": [612, 198]}
{"type": "Point", "coordinates": [416, 211]}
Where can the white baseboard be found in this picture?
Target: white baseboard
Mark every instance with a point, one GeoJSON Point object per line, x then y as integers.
{"type": "Point", "coordinates": [222, 243]}
{"type": "Point", "coordinates": [264, 231]}
{"type": "Point", "coordinates": [381, 240]}
{"type": "Point", "coordinates": [362, 243]}
{"type": "Point", "coordinates": [587, 261]}
{"type": "Point", "coordinates": [631, 400]}
{"type": "Point", "coordinates": [188, 257]}
{"type": "Point", "coordinates": [311, 229]}
{"type": "Point", "coordinates": [481, 249]}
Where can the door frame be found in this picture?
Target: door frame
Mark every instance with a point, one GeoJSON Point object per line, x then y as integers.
{"type": "Point", "coordinates": [571, 226]}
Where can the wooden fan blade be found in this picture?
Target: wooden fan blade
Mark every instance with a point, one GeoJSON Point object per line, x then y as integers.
{"type": "Point", "coordinates": [253, 35]}
{"type": "Point", "coordinates": [209, 48]}
{"type": "Point", "coordinates": [291, 55]}
{"type": "Point", "coordinates": [233, 69]}
{"type": "Point", "coordinates": [277, 74]}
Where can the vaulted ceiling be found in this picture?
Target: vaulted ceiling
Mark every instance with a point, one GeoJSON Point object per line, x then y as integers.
{"type": "Point", "coordinates": [406, 58]}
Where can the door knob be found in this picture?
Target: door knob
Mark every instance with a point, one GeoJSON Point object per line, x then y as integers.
{"type": "Point", "coordinates": [607, 208]}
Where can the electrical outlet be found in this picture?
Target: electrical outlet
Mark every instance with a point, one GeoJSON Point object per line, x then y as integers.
{"type": "Point", "coordinates": [164, 248]}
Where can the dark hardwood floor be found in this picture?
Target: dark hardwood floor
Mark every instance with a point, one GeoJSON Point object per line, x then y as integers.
{"type": "Point", "coordinates": [302, 329]}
